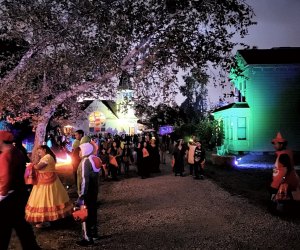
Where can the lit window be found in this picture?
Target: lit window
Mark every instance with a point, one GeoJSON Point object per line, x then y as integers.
{"type": "Point", "coordinates": [97, 122]}
{"type": "Point", "coordinates": [241, 128]}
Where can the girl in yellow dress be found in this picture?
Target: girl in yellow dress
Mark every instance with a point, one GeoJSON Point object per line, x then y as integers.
{"type": "Point", "coordinates": [48, 200]}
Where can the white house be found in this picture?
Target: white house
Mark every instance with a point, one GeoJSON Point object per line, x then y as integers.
{"type": "Point", "coordinates": [110, 117]}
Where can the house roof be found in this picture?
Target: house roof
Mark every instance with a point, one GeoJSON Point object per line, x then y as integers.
{"type": "Point", "coordinates": [112, 106]}
{"type": "Point", "coordinates": [232, 105]}
{"type": "Point", "coordinates": [280, 55]}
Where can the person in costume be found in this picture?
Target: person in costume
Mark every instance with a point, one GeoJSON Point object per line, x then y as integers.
{"type": "Point", "coordinates": [87, 184]}
{"type": "Point", "coordinates": [154, 155]}
{"type": "Point", "coordinates": [283, 170]}
{"type": "Point", "coordinates": [199, 160]}
{"type": "Point", "coordinates": [178, 158]}
{"type": "Point", "coordinates": [13, 195]}
{"type": "Point", "coordinates": [190, 155]}
{"type": "Point", "coordinates": [48, 200]}
{"type": "Point", "coordinates": [75, 152]}
{"type": "Point", "coordinates": [127, 158]}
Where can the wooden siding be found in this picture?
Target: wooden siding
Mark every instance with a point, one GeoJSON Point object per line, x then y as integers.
{"type": "Point", "coordinates": [273, 94]}
{"type": "Point", "coordinates": [230, 117]}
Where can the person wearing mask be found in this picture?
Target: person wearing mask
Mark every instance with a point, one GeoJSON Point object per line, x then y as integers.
{"type": "Point", "coordinates": [87, 185]}
{"type": "Point", "coordinates": [13, 195]}
{"type": "Point", "coordinates": [88, 139]}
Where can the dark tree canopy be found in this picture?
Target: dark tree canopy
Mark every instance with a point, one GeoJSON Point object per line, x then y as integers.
{"type": "Point", "coordinates": [63, 49]}
{"type": "Point", "coordinates": [195, 91]}
{"type": "Point", "coordinates": [82, 47]}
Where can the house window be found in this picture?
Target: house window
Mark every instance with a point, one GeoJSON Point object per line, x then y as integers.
{"type": "Point", "coordinates": [231, 131]}
{"type": "Point", "coordinates": [244, 86]}
{"type": "Point", "coordinates": [228, 128]}
{"type": "Point", "coordinates": [97, 122]}
{"type": "Point", "coordinates": [241, 128]}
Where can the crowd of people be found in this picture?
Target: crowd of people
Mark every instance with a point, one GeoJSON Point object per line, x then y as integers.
{"type": "Point", "coordinates": [144, 153]}
{"type": "Point", "coordinates": [48, 200]}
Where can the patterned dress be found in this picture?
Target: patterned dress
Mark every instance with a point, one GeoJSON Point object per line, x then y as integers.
{"type": "Point", "coordinates": [48, 201]}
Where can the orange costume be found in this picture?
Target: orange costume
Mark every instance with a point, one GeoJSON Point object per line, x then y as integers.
{"type": "Point", "coordinates": [280, 171]}
{"type": "Point", "coordinates": [48, 201]}
{"type": "Point", "coordinates": [284, 166]}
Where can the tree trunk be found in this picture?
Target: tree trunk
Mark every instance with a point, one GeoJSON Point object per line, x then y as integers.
{"type": "Point", "coordinates": [39, 139]}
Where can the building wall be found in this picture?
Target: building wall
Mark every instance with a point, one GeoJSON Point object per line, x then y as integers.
{"type": "Point", "coordinates": [113, 124]}
{"type": "Point", "coordinates": [273, 95]}
{"type": "Point", "coordinates": [230, 125]}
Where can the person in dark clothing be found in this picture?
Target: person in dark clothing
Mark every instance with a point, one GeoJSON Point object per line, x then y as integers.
{"type": "Point", "coordinates": [145, 166]}
{"type": "Point", "coordinates": [105, 161]}
{"type": "Point", "coordinates": [178, 157]}
{"type": "Point", "coordinates": [199, 161]}
{"type": "Point", "coordinates": [13, 195]}
{"type": "Point", "coordinates": [126, 158]}
{"type": "Point", "coordinates": [163, 150]}
{"type": "Point", "coordinates": [139, 158]}
{"type": "Point", "coordinates": [18, 144]}
{"type": "Point", "coordinates": [114, 151]}
{"type": "Point", "coordinates": [154, 156]}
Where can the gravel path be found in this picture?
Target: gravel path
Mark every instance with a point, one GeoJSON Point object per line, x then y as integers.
{"type": "Point", "coordinates": [168, 212]}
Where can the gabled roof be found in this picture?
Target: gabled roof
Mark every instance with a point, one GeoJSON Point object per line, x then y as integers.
{"type": "Point", "coordinates": [112, 106]}
{"type": "Point", "coordinates": [232, 105]}
{"type": "Point", "coordinates": [280, 55]}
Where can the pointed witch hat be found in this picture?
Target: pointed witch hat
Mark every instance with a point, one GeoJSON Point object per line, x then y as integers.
{"type": "Point", "coordinates": [279, 139]}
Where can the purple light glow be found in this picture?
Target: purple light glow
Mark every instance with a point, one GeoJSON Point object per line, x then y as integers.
{"type": "Point", "coordinates": [163, 130]}
{"type": "Point", "coordinates": [254, 166]}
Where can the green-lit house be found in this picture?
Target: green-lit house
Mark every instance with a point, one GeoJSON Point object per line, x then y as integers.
{"type": "Point", "coordinates": [267, 101]}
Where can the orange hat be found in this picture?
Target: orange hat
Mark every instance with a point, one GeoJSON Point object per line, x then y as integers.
{"type": "Point", "coordinates": [279, 139]}
{"type": "Point", "coordinates": [6, 136]}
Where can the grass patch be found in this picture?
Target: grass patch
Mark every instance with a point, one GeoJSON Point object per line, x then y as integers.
{"type": "Point", "coordinates": [251, 184]}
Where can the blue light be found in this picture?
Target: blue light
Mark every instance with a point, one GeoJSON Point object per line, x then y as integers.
{"type": "Point", "coordinates": [251, 163]}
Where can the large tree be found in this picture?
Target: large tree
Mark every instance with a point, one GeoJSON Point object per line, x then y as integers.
{"type": "Point", "coordinates": [75, 47]}
{"type": "Point", "coordinates": [154, 117]}
{"type": "Point", "coordinates": [195, 91]}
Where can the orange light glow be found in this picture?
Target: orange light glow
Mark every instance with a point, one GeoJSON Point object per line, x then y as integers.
{"type": "Point", "coordinates": [67, 160]}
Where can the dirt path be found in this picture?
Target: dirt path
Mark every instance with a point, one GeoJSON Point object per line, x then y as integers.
{"type": "Point", "coordinates": [168, 212]}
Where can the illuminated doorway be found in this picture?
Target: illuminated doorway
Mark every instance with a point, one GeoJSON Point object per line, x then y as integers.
{"type": "Point", "coordinates": [131, 131]}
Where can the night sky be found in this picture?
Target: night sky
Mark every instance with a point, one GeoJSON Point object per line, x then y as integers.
{"type": "Point", "coordinates": [278, 25]}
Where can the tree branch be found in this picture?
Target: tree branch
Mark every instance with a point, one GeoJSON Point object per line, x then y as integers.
{"type": "Point", "coordinates": [21, 65]}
